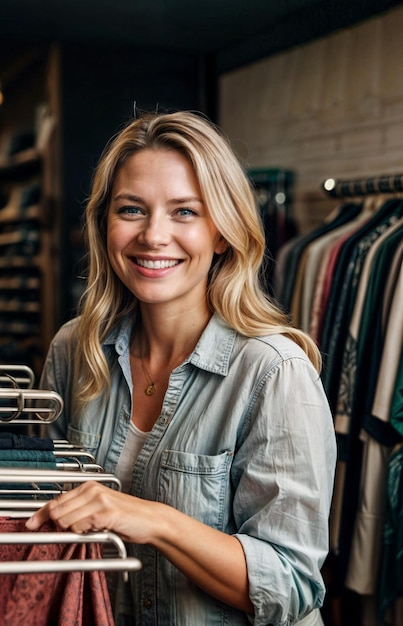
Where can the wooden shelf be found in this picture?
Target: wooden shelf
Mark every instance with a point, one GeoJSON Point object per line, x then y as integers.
{"type": "Point", "coordinates": [30, 233]}
{"type": "Point", "coordinates": [20, 165]}
{"type": "Point", "coordinates": [33, 212]}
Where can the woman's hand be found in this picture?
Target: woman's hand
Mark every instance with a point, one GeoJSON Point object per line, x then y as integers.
{"type": "Point", "coordinates": [93, 506]}
{"type": "Point", "coordinates": [212, 559]}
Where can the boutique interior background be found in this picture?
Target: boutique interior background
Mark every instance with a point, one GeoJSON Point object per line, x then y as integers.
{"type": "Point", "coordinates": [235, 32]}
{"type": "Point", "coordinates": [312, 86]}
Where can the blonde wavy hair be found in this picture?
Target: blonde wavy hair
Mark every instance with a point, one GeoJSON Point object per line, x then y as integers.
{"type": "Point", "coordinates": [234, 287]}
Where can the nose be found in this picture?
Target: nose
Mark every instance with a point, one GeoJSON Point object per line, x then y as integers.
{"type": "Point", "coordinates": [155, 231]}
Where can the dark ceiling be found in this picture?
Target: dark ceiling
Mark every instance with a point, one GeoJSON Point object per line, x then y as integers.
{"type": "Point", "coordinates": [234, 32]}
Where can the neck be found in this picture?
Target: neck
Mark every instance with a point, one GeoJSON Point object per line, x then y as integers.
{"type": "Point", "coordinates": [158, 348]}
{"type": "Point", "coordinates": [164, 338]}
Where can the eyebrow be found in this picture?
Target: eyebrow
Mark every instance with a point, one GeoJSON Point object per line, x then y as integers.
{"type": "Point", "coordinates": [128, 196]}
{"type": "Point", "coordinates": [186, 199]}
{"type": "Point", "coordinates": [132, 198]}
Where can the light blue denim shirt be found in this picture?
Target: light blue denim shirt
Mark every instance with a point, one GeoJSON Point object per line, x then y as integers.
{"type": "Point", "coordinates": [244, 443]}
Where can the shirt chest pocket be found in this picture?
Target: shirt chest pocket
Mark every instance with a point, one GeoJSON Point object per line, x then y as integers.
{"type": "Point", "coordinates": [197, 485]}
{"type": "Point", "coordinates": [89, 441]}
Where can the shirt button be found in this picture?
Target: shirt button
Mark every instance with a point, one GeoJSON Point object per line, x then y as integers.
{"type": "Point", "coordinates": [147, 603]}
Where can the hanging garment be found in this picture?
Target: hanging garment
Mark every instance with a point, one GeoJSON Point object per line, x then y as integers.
{"type": "Point", "coordinates": [366, 545]}
{"type": "Point", "coordinates": [364, 359]}
{"type": "Point", "coordinates": [312, 263]}
{"type": "Point", "coordinates": [14, 441]}
{"type": "Point", "coordinates": [350, 358]}
{"type": "Point", "coordinates": [287, 274]}
{"type": "Point", "coordinates": [376, 418]}
{"type": "Point", "coordinates": [344, 290]}
{"type": "Point", "coordinates": [51, 599]}
{"type": "Point", "coordinates": [27, 458]}
{"type": "Point", "coordinates": [327, 262]}
{"type": "Point", "coordinates": [396, 418]}
{"type": "Point", "coordinates": [391, 576]}
{"type": "Point", "coordinates": [363, 563]}
{"type": "Point", "coordinates": [317, 255]}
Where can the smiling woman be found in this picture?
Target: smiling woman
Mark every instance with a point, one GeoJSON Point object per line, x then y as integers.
{"type": "Point", "coordinates": [186, 381]}
{"type": "Point", "coordinates": [161, 238]}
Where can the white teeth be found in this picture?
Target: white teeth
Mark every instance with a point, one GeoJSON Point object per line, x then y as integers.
{"type": "Point", "coordinates": [156, 265]}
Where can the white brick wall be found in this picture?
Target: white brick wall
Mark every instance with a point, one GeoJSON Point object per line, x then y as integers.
{"type": "Point", "coordinates": [330, 108]}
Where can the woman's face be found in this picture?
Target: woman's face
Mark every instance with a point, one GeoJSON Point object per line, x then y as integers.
{"type": "Point", "coordinates": [160, 237]}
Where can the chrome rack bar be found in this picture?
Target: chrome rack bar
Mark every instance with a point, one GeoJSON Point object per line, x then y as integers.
{"type": "Point", "coordinates": [74, 565]}
{"type": "Point", "coordinates": [69, 453]}
{"type": "Point", "coordinates": [20, 476]}
{"type": "Point", "coordinates": [21, 374]}
{"type": "Point", "coordinates": [22, 508]}
{"type": "Point", "coordinates": [123, 563]}
{"type": "Point", "coordinates": [43, 414]}
{"type": "Point", "coordinates": [384, 183]}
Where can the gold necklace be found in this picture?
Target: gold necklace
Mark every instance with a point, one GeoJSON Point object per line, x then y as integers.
{"type": "Point", "coordinates": [151, 387]}
{"type": "Point", "coordinates": [151, 384]}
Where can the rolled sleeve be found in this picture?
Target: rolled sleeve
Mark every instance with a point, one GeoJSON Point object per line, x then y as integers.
{"type": "Point", "coordinates": [284, 471]}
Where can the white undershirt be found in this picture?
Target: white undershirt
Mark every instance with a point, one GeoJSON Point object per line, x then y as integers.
{"type": "Point", "coordinates": [133, 444]}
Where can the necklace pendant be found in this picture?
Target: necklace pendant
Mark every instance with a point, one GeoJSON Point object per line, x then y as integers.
{"type": "Point", "coordinates": [150, 389]}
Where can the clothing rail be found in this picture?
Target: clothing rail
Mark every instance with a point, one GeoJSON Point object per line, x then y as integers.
{"type": "Point", "coordinates": [66, 450]}
{"type": "Point", "coordinates": [62, 447]}
{"type": "Point", "coordinates": [24, 501]}
{"type": "Point", "coordinates": [21, 399]}
{"type": "Point", "coordinates": [363, 186]}
{"type": "Point", "coordinates": [43, 476]}
{"type": "Point", "coordinates": [26, 504]}
{"type": "Point", "coordinates": [65, 453]}
{"type": "Point", "coordinates": [22, 375]}
{"type": "Point", "coordinates": [31, 496]}
{"type": "Point", "coordinates": [85, 468]}
{"type": "Point", "coordinates": [65, 457]}
{"type": "Point", "coordinates": [61, 466]}
{"type": "Point", "coordinates": [122, 563]}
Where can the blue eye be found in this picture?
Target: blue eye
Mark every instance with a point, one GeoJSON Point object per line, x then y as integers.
{"type": "Point", "coordinates": [185, 211]}
{"type": "Point", "coordinates": [131, 210]}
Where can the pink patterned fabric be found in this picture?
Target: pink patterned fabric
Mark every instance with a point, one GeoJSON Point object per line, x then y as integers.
{"type": "Point", "coordinates": [51, 599]}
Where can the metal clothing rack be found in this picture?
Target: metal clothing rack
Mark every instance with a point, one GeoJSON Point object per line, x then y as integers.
{"type": "Point", "coordinates": [24, 489]}
{"type": "Point", "coordinates": [25, 404]}
{"type": "Point", "coordinates": [384, 183]}
{"type": "Point", "coordinates": [30, 406]}
{"type": "Point", "coordinates": [20, 375]}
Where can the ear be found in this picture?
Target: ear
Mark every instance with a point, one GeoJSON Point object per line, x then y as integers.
{"type": "Point", "coordinates": [221, 245]}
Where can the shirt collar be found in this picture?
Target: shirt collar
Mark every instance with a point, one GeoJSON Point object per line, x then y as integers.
{"type": "Point", "coordinates": [214, 348]}
{"type": "Point", "coordinates": [212, 352]}
{"type": "Point", "coordinates": [119, 337]}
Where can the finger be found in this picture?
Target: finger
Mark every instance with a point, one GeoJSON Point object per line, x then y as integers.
{"type": "Point", "coordinates": [83, 508]}
{"type": "Point", "coordinates": [63, 505]}
{"type": "Point", "coordinates": [38, 518]}
{"type": "Point", "coordinates": [74, 512]}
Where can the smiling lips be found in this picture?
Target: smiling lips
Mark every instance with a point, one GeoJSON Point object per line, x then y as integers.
{"type": "Point", "coordinates": [157, 265]}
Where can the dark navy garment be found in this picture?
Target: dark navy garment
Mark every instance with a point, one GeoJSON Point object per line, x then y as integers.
{"type": "Point", "coordinates": [13, 441]}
